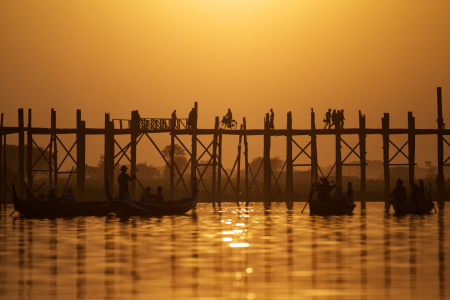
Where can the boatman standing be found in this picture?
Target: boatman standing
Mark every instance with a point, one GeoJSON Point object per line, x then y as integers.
{"type": "Point", "coordinates": [124, 178]}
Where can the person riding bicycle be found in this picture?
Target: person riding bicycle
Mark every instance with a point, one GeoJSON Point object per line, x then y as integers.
{"type": "Point", "coordinates": [227, 118]}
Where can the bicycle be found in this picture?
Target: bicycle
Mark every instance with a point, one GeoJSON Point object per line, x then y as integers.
{"type": "Point", "coordinates": [232, 125]}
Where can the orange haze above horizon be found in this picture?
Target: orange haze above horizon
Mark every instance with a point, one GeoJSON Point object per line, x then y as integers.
{"type": "Point", "coordinates": [247, 55]}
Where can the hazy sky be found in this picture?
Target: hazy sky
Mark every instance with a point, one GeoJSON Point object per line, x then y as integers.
{"type": "Point", "coordinates": [247, 55]}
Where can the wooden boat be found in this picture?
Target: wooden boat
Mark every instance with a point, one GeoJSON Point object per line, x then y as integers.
{"type": "Point", "coordinates": [323, 208]}
{"type": "Point", "coordinates": [124, 205]}
{"type": "Point", "coordinates": [34, 207]}
{"type": "Point", "coordinates": [413, 207]}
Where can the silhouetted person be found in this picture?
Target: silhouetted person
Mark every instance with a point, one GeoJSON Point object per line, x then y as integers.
{"type": "Point", "coordinates": [191, 119]}
{"type": "Point", "coordinates": [51, 197]}
{"type": "Point", "coordinates": [174, 119]}
{"type": "Point", "coordinates": [158, 197]}
{"type": "Point", "coordinates": [272, 116]}
{"type": "Point", "coordinates": [124, 178]}
{"type": "Point", "coordinates": [146, 196]}
{"type": "Point", "coordinates": [333, 118]}
{"type": "Point", "coordinates": [69, 198]}
{"type": "Point", "coordinates": [327, 119]}
{"type": "Point", "coordinates": [227, 118]}
{"type": "Point", "coordinates": [399, 192]}
{"type": "Point", "coordinates": [324, 191]}
{"type": "Point", "coordinates": [421, 186]}
{"type": "Point", "coordinates": [350, 192]}
{"type": "Point", "coordinates": [342, 118]}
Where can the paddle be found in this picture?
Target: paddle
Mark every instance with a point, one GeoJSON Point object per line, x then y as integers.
{"type": "Point", "coordinates": [311, 192]}
{"type": "Point", "coordinates": [429, 198]}
{"type": "Point", "coordinates": [31, 194]}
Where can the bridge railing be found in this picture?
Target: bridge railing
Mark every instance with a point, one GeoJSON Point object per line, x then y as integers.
{"type": "Point", "coordinates": [162, 124]}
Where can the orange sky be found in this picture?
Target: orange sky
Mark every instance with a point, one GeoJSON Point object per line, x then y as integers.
{"type": "Point", "coordinates": [249, 55]}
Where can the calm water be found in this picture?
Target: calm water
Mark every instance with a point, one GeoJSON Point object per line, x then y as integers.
{"type": "Point", "coordinates": [282, 255]}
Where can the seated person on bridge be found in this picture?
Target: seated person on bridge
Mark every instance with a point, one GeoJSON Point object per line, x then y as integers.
{"type": "Point", "coordinates": [227, 118]}
{"type": "Point", "coordinates": [68, 198]}
{"type": "Point", "coordinates": [146, 196]}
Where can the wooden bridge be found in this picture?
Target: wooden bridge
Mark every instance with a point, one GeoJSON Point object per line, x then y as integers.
{"type": "Point", "coordinates": [138, 128]}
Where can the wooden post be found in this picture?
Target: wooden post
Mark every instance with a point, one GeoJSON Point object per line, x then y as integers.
{"type": "Point", "coordinates": [411, 144]}
{"type": "Point", "coordinates": [21, 154]}
{"type": "Point", "coordinates": [172, 162]}
{"type": "Point", "coordinates": [214, 170]}
{"type": "Point", "coordinates": [29, 153]}
{"type": "Point", "coordinates": [362, 154]}
{"type": "Point", "coordinates": [387, 176]}
{"type": "Point", "coordinates": [109, 152]}
{"type": "Point", "coordinates": [111, 156]}
{"type": "Point", "coordinates": [247, 192]}
{"type": "Point", "coordinates": [55, 147]}
{"type": "Point", "coordinates": [4, 169]}
{"type": "Point", "coordinates": [134, 135]}
{"type": "Point", "coordinates": [238, 176]}
{"type": "Point", "coordinates": [440, 142]}
{"type": "Point", "coordinates": [219, 169]}
{"type": "Point", "coordinates": [338, 154]}
{"type": "Point", "coordinates": [194, 144]}
{"type": "Point", "coordinates": [314, 173]}
{"type": "Point", "coordinates": [267, 166]}
{"type": "Point", "coordinates": [2, 187]}
{"type": "Point", "coordinates": [81, 156]}
{"type": "Point", "coordinates": [289, 165]}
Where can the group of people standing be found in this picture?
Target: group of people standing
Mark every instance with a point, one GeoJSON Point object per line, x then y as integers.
{"type": "Point", "coordinates": [334, 118]}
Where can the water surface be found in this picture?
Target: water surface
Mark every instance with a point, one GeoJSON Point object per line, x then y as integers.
{"type": "Point", "coordinates": [227, 253]}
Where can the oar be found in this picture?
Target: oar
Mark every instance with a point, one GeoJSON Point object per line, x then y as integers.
{"type": "Point", "coordinates": [429, 197]}
{"type": "Point", "coordinates": [31, 194]}
{"type": "Point", "coordinates": [310, 195]}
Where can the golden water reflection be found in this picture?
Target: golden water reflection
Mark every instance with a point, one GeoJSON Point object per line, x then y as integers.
{"type": "Point", "coordinates": [226, 252]}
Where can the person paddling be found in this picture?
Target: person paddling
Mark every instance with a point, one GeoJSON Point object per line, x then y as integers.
{"type": "Point", "coordinates": [124, 178]}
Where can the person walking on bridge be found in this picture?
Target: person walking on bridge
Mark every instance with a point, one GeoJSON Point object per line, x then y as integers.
{"type": "Point", "coordinates": [327, 119]}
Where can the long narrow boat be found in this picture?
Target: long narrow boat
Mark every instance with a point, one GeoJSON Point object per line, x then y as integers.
{"type": "Point", "coordinates": [322, 208]}
{"type": "Point", "coordinates": [413, 207]}
{"type": "Point", "coordinates": [124, 205]}
{"type": "Point", "coordinates": [34, 207]}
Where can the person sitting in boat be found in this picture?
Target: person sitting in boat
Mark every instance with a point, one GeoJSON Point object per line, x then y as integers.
{"type": "Point", "coordinates": [350, 193]}
{"type": "Point", "coordinates": [324, 192]}
{"type": "Point", "coordinates": [146, 196]}
{"type": "Point", "coordinates": [399, 192]}
{"type": "Point", "coordinates": [51, 197]}
{"type": "Point", "coordinates": [69, 198]}
{"type": "Point", "coordinates": [422, 186]}
{"type": "Point", "coordinates": [339, 195]}
{"type": "Point", "coordinates": [158, 197]}
{"type": "Point", "coordinates": [124, 178]}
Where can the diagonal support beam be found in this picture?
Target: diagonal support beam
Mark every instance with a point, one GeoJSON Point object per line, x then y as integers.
{"type": "Point", "coordinates": [399, 150]}
{"type": "Point", "coordinates": [67, 154]}
{"type": "Point", "coordinates": [279, 175]}
{"type": "Point", "coordinates": [352, 150]}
